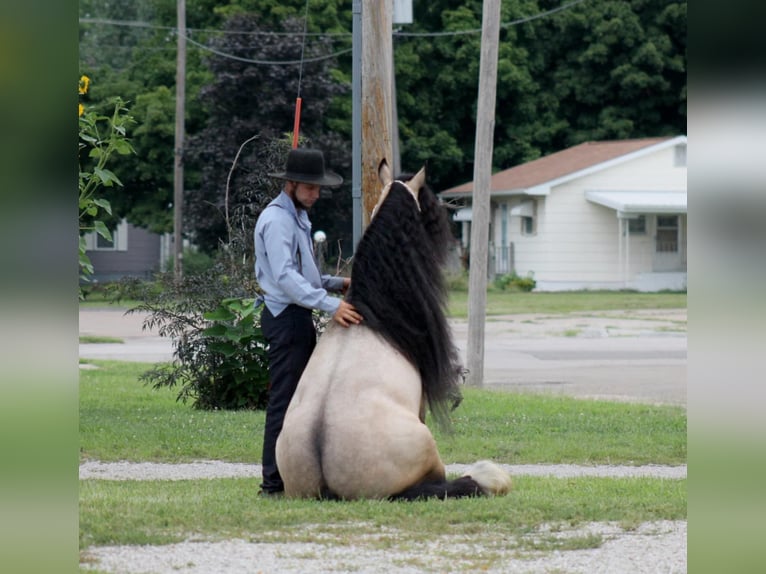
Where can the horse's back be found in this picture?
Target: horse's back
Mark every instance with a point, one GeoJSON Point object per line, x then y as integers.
{"type": "Point", "coordinates": [353, 426]}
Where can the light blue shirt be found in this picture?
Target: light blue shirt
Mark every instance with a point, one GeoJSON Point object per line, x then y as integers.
{"type": "Point", "coordinates": [285, 266]}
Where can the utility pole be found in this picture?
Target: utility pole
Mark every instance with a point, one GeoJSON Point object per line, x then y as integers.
{"type": "Point", "coordinates": [482, 173]}
{"type": "Point", "coordinates": [178, 171]}
{"type": "Point", "coordinates": [356, 122]}
{"type": "Point", "coordinates": [377, 117]}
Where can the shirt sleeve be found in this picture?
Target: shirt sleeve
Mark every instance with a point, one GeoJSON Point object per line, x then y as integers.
{"type": "Point", "coordinates": [279, 241]}
{"type": "Point", "coordinates": [332, 283]}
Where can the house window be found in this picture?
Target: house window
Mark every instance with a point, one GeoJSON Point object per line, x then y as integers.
{"type": "Point", "coordinates": [637, 225]}
{"type": "Point", "coordinates": [103, 244]}
{"type": "Point", "coordinates": [679, 159]}
{"type": "Point", "coordinates": [94, 242]}
{"type": "Point", "coordinates": [667, 234]}
{"type": "Point", "coordinates": [527, 225]}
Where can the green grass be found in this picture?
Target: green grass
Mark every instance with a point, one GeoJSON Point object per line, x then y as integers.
{"type": "Point", "coordinates": [104, 296]}
{"type": "Point", "coordinates": [506, 303]}
{"type": "Point", "coordinates": [162, 512]}
{"type": "Point", "coordinates": [121, 418]}
{"type": "Point", "coordinates": [98, 339]}
{"type": "Point", "coordinates": [101, 303]}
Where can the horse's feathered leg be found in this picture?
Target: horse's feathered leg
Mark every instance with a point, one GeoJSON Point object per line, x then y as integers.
{"type": "Point", "coordinates": [484, 478]}
{"type": "Point", "coordinates": [458, 488]}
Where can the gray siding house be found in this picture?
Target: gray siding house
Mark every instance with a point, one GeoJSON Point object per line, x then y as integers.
{"type": "Point", "coordinates": [134, 252]}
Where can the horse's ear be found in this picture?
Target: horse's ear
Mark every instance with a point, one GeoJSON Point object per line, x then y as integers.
{"type": "Point", "coordinates": [384, 172]}
{"type": "Point", "coordinates": [418, 180]}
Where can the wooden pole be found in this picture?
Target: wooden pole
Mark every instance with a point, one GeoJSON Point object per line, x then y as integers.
{"type": "Point", "coordinates": [482, 173]}
{"type": "Point", "coordinates": [356, 122]}
{"type": "Point", "coordinates": [377, 116]}
{"type": "Point", "coordinates": [178, 171]}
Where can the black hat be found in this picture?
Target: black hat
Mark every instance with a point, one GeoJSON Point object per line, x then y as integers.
{"type": "Point", "coordinates": [307, 166]}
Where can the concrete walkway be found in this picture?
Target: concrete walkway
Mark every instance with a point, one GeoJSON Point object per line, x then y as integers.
{"type": "Point", "coordinates": [637, 356]}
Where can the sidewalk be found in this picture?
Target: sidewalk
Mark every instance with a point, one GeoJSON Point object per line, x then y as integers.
{"type": "Point", "coordinates": [635, 356]}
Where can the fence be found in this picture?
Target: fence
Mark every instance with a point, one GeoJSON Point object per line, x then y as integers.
{"type": "Point", "coordinates": [501, 261]}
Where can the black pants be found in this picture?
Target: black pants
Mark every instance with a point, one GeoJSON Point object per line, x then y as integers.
{"type": "Point", "coordinates": [291, 338]}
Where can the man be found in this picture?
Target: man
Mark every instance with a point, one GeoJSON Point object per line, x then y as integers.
{"type": "Point", "coordinates": [289, 276]}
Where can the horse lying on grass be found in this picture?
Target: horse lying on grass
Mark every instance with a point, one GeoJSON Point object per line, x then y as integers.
{"type": "Point", "coordinates": [355, 426]}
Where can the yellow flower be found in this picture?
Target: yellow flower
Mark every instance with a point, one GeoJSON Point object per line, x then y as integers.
{"type": "Point", "coordinates": [81, 110]}
{"type": "Point", "coordinates": [84, 83]}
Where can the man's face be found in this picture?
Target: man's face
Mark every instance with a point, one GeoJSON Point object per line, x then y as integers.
{"type": "Point", "coordinates": [304, 195]}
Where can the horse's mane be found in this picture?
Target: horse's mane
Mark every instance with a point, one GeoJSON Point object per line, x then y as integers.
{"type": "Point", "coordinates": [398, 286]}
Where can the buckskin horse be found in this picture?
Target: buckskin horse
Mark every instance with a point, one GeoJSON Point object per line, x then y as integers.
{"type": "Point", "coordinates": [355, 427]}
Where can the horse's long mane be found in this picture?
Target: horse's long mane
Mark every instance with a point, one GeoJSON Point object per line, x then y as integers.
{"type": "Point", "coordinates": [397, 283]}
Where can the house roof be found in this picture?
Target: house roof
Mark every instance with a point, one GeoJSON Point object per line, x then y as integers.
{"type": "Point", "coordinates": [555, 166]}
{"type": "Point", "coordinates": [626, 202]}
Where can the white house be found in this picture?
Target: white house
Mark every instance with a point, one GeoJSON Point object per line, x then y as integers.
{"type": "Point", "coordinates": [599, 215]}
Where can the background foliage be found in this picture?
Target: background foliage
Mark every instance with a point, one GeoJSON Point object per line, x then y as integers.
{"type": "Point", "coordinates": [596, 70]}
{"type": "Point", "coordinates": [219, 352]}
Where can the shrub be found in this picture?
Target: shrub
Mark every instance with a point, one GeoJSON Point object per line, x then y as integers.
{"type": "Point", "coordinates": [513, 282]}
{"type": "Point", "coordinates": [457, 281]}
{"type": "Point", "coordinates": [228, 369]}
{"type": "Point", "coordinates": [196, 262]}
{"type": "Point", "coordinates": [524, 283]}
{"type": "Point", "coordinates": [219, 353]}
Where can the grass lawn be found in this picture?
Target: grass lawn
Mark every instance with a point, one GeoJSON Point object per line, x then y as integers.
{"type": "Point", "coordinates": [507, 302]}
{"type": "Point", "coordinates": [123, 419]}
{"type": "Point", "coordinates": [86, 339]}
{"type": "Point", "coordinates": [162, 512]}
{"type": "Point", "coordinates": [510, 303]}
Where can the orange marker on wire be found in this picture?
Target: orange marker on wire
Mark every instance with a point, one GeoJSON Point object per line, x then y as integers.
{"type": "Point", "coordinates": [297, 123]}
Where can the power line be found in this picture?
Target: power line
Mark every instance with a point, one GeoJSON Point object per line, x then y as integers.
{"type": "Point", "coordinates": [478, 30]}
{"type": "Point", "coordinates": [266, 62]}
{"type": "Point", "coordinates": [303, 48]}
{"type": "Point", "coordinates": [139, 24]}
{"type": "Point", "coordinates": [129, 23]}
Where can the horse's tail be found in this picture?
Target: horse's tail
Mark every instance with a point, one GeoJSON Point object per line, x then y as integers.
{"type": "Point", "coordinates": [485, 478]}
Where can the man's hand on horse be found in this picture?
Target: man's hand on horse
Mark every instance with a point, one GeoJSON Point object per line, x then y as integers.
{"type": "Point", "coordinates": [346, 315]}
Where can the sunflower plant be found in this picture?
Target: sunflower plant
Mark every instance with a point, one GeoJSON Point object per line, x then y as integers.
{"type": "Point", "coordinates": [101, 136]}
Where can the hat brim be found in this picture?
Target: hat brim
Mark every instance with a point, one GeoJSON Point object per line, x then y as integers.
{"type": "Point", "coordinates": [328, 179]}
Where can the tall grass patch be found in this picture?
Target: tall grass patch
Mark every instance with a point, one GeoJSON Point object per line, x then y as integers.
{"type": "Point", "coordinates": [123, 419]}
{"type": "Point", "coordinates": [535, 428]}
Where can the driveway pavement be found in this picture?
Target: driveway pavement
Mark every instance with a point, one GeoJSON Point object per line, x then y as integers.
{"type": "Point", "coordinates": [637, 356]}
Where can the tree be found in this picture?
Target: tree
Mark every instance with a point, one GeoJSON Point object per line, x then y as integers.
{"type": "Point", "coordinates": [247, 100]}
{"type": "Point", "coordinates": [595, 70]}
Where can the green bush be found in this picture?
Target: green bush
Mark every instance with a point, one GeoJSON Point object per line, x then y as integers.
{"type": "Point", "coordinates": [235, 343]}
{"type": "Point", "coordinates": [196, 262]}
{"type": "Point", "coordinates": [219, 352]}
{"type": "Point", "coordinates": [513, 282]}
{"type": "Point", "coordinates": [457, 281]}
